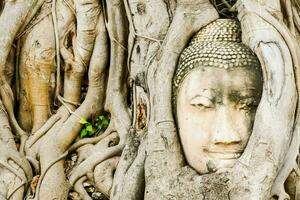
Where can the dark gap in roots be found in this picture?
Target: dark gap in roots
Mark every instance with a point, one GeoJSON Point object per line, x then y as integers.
{"type": "Point", "coordinates": [70, 162]}
{"type": "Point", "coordinates": [114, 142]}
{"type": "Point", "coordinates": [130, 96]}
{"type": "Point", "coordinates": [92, 191]}
{"type": "Point", "coordinates": [275, 197]}
{"type": "Point", "coordinates": [84, 87]}
{"type": "Point", "coordinates": [104, 10]}
{"type": "Point", "coordinates": [1, 6]}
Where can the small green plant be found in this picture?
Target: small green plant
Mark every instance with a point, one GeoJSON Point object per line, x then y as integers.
{"type": "Point", "coordinates": [89, 129]}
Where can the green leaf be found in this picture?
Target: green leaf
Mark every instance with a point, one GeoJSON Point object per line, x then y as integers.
{"type": "Point", "coordinates": [101, 117]}
{"type": "Point", "coordinates": [83, 133]}
{"type": "Point", "coordinates": [100, 126]}
{"type": "Point", "coordinates": [83, 121]}
{"type": "Point", "coordinates": [89, 128]}
{"type": "Point", "coordinates": [105, 122]}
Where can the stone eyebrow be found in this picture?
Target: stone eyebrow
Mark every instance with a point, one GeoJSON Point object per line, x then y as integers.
{"type": "Point", "coordinates": [199, 95]}
{"type": "Point", "coordinates": [246, 93]}
{"type": "Point", "coordinates": [211, 94]}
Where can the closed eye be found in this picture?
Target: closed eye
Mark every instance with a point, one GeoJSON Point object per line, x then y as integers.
{"type": "Point", "coordinates": [201, 106]}
{"type": "Point", "coordinates": [201, 102]}
{"type": "Point", "coordinates": [247, 104]}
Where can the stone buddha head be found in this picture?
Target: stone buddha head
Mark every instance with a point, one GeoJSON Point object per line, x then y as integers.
{"type": "Point", "coordinates": [217, 88]}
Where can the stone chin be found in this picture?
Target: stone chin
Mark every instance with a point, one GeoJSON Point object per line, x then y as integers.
{"type": "Point", "coordinates": [221, 163]}
{"type": "Point", "coordinates": [216, 162]}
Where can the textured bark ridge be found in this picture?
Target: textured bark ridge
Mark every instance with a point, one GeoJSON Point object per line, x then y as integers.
{"type": "Point", "coordinates": [86, 100]}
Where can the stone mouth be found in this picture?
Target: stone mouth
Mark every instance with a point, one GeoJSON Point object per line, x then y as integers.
{"type": "Point", "coordinates": [225, 155]}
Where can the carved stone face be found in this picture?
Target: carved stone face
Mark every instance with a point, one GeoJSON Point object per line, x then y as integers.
{"type": "Point", "coordinates": [215, 114]}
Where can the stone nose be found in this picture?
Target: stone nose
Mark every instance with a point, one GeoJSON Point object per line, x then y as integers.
{"type": "Point", "coordinates": [223, 131]}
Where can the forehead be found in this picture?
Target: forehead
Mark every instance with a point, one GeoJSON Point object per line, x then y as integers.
{"type": "Point", "coordinates": [215, 80]}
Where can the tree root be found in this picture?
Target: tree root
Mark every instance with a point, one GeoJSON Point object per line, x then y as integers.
{"type": "Point", "coordinates": [287, 167]}
{"type": "Point", "coordinates": [109, 163]}
{"type": "Point", "coordinates": [129, 180]}
{"type": "Point", "coordinates": [116, 94]}
{"type": "Point", "coordinates": [34, 163]}
{"type": "Point", "coordinates": [111, 139]}
{"type": "Point", "coordinates": [296, 18]}
{"type": "Point", "coordinates": [33, 143]}
{"type": "Point", "coordinates": [60, 117]}
{"type": "Point", "coordinates": [116, 99]}
{"type": "Point", "coordinates": [59, 141]}
{"type": "Point", "coordinates": [279, 193]}
{"type": "Point", "coordinates": [10, 159]}
{"type": "Point", "coordinates": [283, 44]}
{"type": "Point", "coordinates": [90, 163]}
{"type": "Point", "coordinates": [16, 189]}
{"type": "Point", "coordinates": [21, 176]}
{"type": "Point", "coordinates": [78, 187]}
{"type": "Point", "coordinates": [9, 154]}
{"type": "Point", "coordinates": [43, 130]}
{"type": "Point", "coordinates": [8, 101]}
{"type": "Point", "coordinates": [20, 10]}
{"type": "Point", "coordinates": [104, 174]}
{"type": "Point", "coordinates": [45, 172]}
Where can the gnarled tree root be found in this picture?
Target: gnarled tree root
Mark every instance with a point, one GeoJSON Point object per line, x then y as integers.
{"type": "Point", "coordinates": [91, 162]}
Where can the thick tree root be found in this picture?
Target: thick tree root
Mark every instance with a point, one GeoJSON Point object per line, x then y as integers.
{"type": "Point", "coordinates": [110, 140]}
{"type": "Point", "coordinates": [34, 163]}
{"type": "Point", "coordinates": [60, 117]}
{"type": "Point", "coordinates": [33, 143]}
{"type": "Point", "coordinates": [24, 175]}
{"type": "Point", "coordinates": [8, 101]}
{"type": "Point", "coordinates": [296, 18]}
{"type": "Point", "coordinates": [16, 190]}
{"type": "Point", "coordinates": [104, 174]}
{"type": "Point", "coordinates": [107, 166]}
{"type": "Point", "coordinates": [11, 160]}
{"type": "Point", "coordinates": [58, 142]}
{"type": "Point", "coordinates": [281, 43]}
{"type": "Point", "coordinates": [9, 154]}
{"type": "Point", "coordinates": [78, 187]}
{"type": "Point", "coordinates": [131, 165]}
{"type": "Point", "coordinates": [20, 10]}
{"type": "Point", "coordinates": [20, 175]}
{"type": "Point", "coordinates": [45, 172]}
{"type": "Point", "coordinates": [91, 162]}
